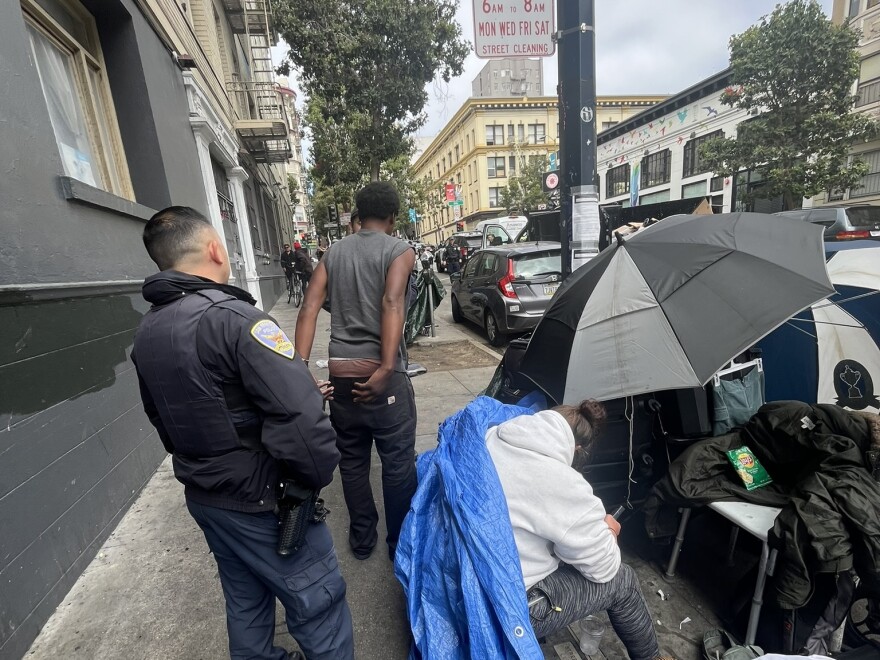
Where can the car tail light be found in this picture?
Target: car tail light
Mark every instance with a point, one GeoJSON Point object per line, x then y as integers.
{"type": "Point", "coordinates": [506, 282]}
{"type": "Point", "coordinates": [850, 235]}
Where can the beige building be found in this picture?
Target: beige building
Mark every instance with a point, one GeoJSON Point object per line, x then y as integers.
{"type": "Point", "coordinates": [298, 180]}
{"type": "Point", "coordinates": [240, 124]}
{"type": "Point", "coordinates": [487, 141]}
{"type": "Point", "coordinates": [865, 16]}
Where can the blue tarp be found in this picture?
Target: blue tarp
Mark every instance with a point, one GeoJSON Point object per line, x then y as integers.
{"type": "Point", "coordinates": [456, 558]}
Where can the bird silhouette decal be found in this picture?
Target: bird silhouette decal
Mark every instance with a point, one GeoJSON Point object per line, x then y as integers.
{"type": "Point", "coordinates": [711, 112]}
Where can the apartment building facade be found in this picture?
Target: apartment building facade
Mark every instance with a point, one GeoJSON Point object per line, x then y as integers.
{"type": "Point", "coordinates": [486, 142]}
{"type": "Point", "coordinates": [865, 16]}
{"type": "Point", "coordinates": [117, 108]}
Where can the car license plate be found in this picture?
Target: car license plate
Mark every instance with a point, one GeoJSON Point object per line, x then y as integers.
{"type": "Point", "coordinates": [550, 289]}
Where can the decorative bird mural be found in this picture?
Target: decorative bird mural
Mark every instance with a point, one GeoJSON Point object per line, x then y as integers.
{"type": "Point", "coordinates": [711, 112]}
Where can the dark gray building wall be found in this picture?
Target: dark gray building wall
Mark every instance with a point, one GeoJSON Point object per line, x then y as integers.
{"type": "Point", "coordinates": [76, 446]}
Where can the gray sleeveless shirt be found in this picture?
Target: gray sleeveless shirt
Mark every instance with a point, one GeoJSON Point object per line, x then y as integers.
{"type": "Point", "coordinates": [356, 270]}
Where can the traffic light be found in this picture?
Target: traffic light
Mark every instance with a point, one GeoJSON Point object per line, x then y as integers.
{"type": "Point", "coordinates": [459, 226]}
{"type": "Point", "coordinates": [332, 213]}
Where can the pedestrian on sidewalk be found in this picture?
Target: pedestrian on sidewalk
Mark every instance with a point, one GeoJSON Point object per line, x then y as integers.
{"type": "Point", "coordinates": [567, 544]}
{"type": "Point", "coordinates": [239, 411]}
{"type": "Point", "coordinates": [302, 264]}
{"type": "Point", "coordinates": [287, 262]}
{"type": "Point", "coordinates": [366, 276]}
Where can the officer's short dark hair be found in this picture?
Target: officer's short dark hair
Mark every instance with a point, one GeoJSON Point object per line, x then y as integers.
{"type": "Point", "coordinates": [377, 200]}
{"type": "Point", "coordinates": [172, 234]}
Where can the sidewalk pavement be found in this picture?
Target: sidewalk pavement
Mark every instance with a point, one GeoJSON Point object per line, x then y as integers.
{"type": "Point", "coordinates": [153, 592]}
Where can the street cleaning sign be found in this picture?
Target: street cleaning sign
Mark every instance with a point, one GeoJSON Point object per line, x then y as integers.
{"type": "Point", "coordinates": [514, 28]}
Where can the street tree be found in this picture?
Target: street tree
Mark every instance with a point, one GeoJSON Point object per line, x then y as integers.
{"type": "Point", "coordinates": [369, 61]}
{"type": "Point", "coordinates": [524, 191]}
{"type": "Point", "coordinates": [423, 195]}
{"type": "Point", "coordinates": [794, 72]}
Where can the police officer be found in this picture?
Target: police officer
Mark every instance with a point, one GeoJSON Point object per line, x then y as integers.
{"type": "Point", "coordinates": [238, 409]}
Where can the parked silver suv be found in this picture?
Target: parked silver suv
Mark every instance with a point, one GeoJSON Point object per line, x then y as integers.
{"type": "Point", "coordinates": [842, 223]}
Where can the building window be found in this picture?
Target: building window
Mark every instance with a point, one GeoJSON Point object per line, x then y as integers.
{"type": "Point", "coordinates": [510, 139]}
{"type": "Point", "coordinates": [470, 174]}
{"type": "Point", "coordinates": [854, 8]}
{"type": "Point", "coordinates": [444, 164]}
{"type": "Point", "coordinates": [70, 67]}
{"type": "Point", "coordinates": [693, 164]}
{"type": "Point", "coordinates": [467, 142]}
{"type": "Point", "coordinates": [870, 183]}
{"type": "Point", "coordinates": [494, 135]}
{"type": "Point", "coordinates": [537, 133]}
{"type": "Point", "coordinates": [456, 153]}
{"type": "Point", "coordinates": [716, 184]}
{"type": "Point", "coordinates": [609, 124]}
{"type": "Point", "coordinates": [656, 169]}
{"type": "Point", "coordinates": [494, 198]}
{"type": "Point", "coordinates": [873, 3]}
{"type": "Point", "coordinates": [697, 189]}
{"type": "Point", "coordinates": [654, 198]}
{"type": "Point", "coordinates": [496, 167]}
{"type": "Point", "coordinates": [617, 181]}
{"type": "Point", "coordinates": [512, 164]}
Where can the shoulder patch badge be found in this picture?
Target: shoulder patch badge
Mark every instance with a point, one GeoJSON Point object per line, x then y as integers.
{"type": "Point", "coordinates": [273, 338]}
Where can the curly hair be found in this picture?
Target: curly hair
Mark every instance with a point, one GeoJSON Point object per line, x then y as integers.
{"type": "Point", "coordinates": [378, 200]}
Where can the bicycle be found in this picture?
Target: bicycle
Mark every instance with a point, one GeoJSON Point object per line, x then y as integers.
{"type": "Point", "coordinates": [296, 292]}
{"type": "Point", "coordinates": [287, 280]}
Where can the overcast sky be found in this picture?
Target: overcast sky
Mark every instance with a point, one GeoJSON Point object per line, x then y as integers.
{"type": "Point", "coordinates": [642, 47]}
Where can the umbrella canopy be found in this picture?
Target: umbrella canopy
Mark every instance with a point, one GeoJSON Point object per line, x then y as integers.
{"type": "Point", "coordinates": [670, 305]}
{"type": "Point", "coordinates": [830, 353]}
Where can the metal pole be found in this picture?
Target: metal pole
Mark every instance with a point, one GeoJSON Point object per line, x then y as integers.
{"type": "Point", "coordinates": [579, 194]}
{"type": "Point", "coordinates": [429, 280]}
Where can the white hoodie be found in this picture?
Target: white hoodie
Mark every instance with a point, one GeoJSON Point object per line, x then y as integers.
{"type": "Point", "coordinates": [553, 511]}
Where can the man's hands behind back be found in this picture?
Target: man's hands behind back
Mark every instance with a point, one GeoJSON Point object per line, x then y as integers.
{"type": "Point", "coordinates": [373, 388]}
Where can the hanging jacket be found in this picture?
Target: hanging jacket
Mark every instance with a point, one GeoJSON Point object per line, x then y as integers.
{"type": "Point", "coordinates": [816, 455]}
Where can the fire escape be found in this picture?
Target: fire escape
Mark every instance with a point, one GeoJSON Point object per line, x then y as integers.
{"type": "Point", "coordinates": [262, 123]}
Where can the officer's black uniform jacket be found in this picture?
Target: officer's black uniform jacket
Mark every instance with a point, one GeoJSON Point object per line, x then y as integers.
{"type": "Point", "coordinates": [227, 394]}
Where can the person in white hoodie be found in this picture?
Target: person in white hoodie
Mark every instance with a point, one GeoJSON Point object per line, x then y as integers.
{"type": "Point", "coordinates": [567, 544]}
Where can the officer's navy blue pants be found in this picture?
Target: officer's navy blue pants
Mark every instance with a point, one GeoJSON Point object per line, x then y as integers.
{"type": "Point", "coordinates": [390, 421]}
{"type": "Point", "coordinates": [253, 575]}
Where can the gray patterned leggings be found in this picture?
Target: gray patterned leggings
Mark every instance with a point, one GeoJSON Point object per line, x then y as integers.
{"type": "Point", "coordinates": [577, 597]}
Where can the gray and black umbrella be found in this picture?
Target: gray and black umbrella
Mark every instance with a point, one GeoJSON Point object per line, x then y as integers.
{"type": "Point", "coordinates": [667, 307]}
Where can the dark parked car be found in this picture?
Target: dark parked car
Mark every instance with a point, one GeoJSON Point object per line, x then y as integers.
{"type": "Point", "coordinates": [507, 289]}
{"type": "Point", "coordinates": [842, 223]}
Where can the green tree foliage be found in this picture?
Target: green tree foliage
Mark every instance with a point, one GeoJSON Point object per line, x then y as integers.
{"type": "Point", "coordinates": [365, 64]}
{"type": "Point", "coordinates": [524, 191]}
{"type": "Point", "coordinates": [419, 194]}
{"type": "Point", "coordinates": [794, 70]}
